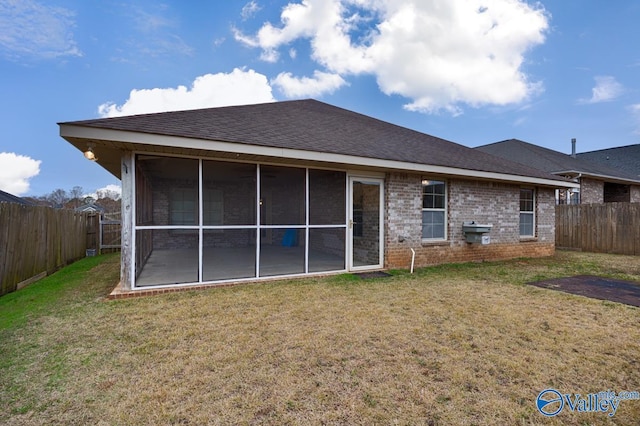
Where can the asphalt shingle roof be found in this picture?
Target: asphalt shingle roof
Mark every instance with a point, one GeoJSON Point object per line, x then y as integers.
{"type": "Point", "coordinates": [5, 197]}
{"type": "Point", "coordinates": [549, 160]}
{"type": "Point", "coordinates": [624, 158]}
{"type": "Point", "coordinates": [314, 126]}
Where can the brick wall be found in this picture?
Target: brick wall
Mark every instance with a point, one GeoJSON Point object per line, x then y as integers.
{"type": "Point", "coordinates": [484, 202]}
{"type": "Point", "coordinates": [591, 191]}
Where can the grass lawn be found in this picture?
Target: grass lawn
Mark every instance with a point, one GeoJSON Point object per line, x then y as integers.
{"type": "Point", "coordinates": [450, 345]}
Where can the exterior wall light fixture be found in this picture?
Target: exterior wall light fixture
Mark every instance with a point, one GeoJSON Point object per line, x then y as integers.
{"type": "Point", "coordinates": [89, 154]}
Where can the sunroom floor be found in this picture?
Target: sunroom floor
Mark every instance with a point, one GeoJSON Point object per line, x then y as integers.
{"type": "Point", "coordinates": [166, 267]}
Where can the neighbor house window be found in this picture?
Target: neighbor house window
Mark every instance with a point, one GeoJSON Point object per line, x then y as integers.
{"type": "Point", "coordinates": [434, 210]}
{"type": "Point", "coordinates": [527, 217]}
{"type": "Point", "coordinates": [616, 193]}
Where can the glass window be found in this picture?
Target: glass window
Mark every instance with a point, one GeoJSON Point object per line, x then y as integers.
{"type": "Point", "coordinates": [616, 193]}
{"type": "Point", "coordinates": [433, 224]}
{"type": "Point", "coordinates": [434, 210]}
{"type": "Point", "coordinates": [527, 216]}
{"type": "Point", "coordinates": [357, 209]}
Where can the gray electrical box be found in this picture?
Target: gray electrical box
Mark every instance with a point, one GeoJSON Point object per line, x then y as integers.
{"type": "Point", "coordinates": [476, 232]}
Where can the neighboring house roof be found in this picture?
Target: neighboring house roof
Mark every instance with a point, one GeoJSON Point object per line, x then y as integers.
{"type": "Point", "coordinates": [5, 197]}
{"type": "Point", "coordinates": [299, 130]}
{"type": "Point", "coordinates": [555, 162]}
{"type": "Point", "coordinates": [625, 158]}
{"type": "Point", "coordinates": [90, 208]}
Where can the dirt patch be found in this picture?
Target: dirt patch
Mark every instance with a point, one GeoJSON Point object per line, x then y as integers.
{"type": "Point", "coordinates": [627, 292]}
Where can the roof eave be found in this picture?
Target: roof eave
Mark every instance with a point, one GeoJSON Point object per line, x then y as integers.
{"type": "Point", "coordinates": [79, 136]}
{"type": "Point", "coordinates": [608, 178]}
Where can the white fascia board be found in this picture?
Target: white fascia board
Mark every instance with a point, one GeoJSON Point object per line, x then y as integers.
{"type": "Point", "coordinates": [614, 179]}
{"type": "Point", "coordinates": [148, 139]}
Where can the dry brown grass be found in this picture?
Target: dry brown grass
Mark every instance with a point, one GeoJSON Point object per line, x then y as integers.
{"type": "Point", "coordinates": [457, 344]}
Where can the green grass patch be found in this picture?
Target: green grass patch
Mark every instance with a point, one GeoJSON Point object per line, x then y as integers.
{"type": "Point", "coordinates": [46, 294]}
{"type": "Point", "coordinates": [451, 344]}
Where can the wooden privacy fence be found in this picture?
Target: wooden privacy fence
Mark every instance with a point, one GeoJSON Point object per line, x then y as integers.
{"type": "Point", "coordinates": [600, 228]}
{"type": "Point", "coordinates": [36, 241]}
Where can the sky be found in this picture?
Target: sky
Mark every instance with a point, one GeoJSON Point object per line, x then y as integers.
{"type": "Point", "coordinates": [469, 71]}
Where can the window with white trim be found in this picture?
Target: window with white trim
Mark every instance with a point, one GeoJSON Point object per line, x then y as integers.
{"type": "Point", "coordinates": [527, 212]}
{"type": "Point", "coordinates": [434, 210]}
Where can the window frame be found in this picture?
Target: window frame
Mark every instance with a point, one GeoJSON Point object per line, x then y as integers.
{"type": "Point", "coordinates": [444, 210]}
{"type": "Point", "coordinates": [531, 212]}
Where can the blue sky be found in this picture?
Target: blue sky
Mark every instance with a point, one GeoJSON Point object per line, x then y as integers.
{"type": "Point", "coordinates": [470, 71]}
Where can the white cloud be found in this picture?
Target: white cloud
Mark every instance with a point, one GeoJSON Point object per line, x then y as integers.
{"type": "Point", "coordinates": [15, 172]}
{"type": "Point", "coordinates": [210, 90]}
{"type": "Point", "coordinates": [153, 34]}
{"type": "Point", "coordinates": [605, 90]}
{"type": "Point", "coordinates": [112, 191]}
{"type": "Point", "coordinates": [320, 83]}
{"type": "Point", "coordinates": [250, 9]}
{"type": "Point", "coordinates": [440, 54]}
{"type": "Point", "coordinates": [31, 30]}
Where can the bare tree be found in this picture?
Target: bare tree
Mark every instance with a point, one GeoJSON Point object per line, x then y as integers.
{"type": "Point", "coordinates": [76, 194]}
{"type": "Point", "coordinates": [58, 198]}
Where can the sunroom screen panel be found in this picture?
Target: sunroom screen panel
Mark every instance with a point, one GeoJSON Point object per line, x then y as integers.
{"type": "Point", "coordinates": [228, 193]}
{"type": "Point", "coordinates": [173, 259]}
{"type": "Point", "coordinates": [327, 249]}
{"type": "Point", "coordinates": [282, 252]}
{"type": "Point", "coordinates": [327, 198]}
{"type": "Point", "coordinates": [228, 254]}
{"type": "Point", "coordinates": [282, 195]}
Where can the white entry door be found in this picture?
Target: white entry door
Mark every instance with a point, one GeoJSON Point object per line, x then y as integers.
{"type": "Point", "coordinates": [366, 225]}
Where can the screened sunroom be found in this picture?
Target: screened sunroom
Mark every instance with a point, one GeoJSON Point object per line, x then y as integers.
{"type": "Point", "coordinates": [252, 192]}
{"type": "Point", "coordinates": [206, 221]}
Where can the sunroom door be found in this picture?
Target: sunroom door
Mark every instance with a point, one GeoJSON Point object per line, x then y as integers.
{"type": "Point", "coordinates": [365, 223]}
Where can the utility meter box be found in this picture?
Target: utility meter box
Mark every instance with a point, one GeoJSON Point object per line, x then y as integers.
{"type": "Point", "coordinates": [476, 232]}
